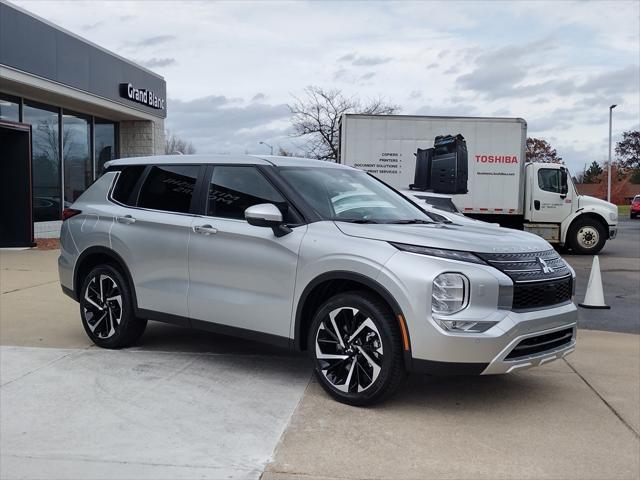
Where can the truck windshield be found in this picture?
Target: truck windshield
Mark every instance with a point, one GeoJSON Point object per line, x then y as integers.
{"type": "Point", "coordinates": [351, 196]}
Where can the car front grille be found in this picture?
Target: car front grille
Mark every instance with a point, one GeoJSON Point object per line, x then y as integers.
{"type": "Point", "coordinates": [542, 294]}
{"type": "Point", "coordinates": [541, 343]}
{"type": "Point", "coordinates": [540, 279]}
{"type": "Point", "coordinates": [528, 266]}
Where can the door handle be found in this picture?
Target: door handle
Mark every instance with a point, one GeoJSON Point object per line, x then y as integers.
{"type": "Point", "coordinates": [536, 204]}
{"type": "Point", "coordinates": [127, 219]}
{"type": "Point", "coordinates": [205, 229]}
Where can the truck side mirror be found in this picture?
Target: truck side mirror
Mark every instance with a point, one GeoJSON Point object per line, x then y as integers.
{"type": "Point", "coordinates": [564, 186]}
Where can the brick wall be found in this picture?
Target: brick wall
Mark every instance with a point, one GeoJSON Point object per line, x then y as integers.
{"type": "Point", "coordinates": [141, 138]}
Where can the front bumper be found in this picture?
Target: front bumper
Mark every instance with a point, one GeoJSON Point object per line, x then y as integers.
{"type": "Point", "coordinates": [613, 231]}
{"type": "Point", "coordinates": [494, 352]}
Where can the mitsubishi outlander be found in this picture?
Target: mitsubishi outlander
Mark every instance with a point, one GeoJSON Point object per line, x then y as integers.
{"type": "Point", "coordinates": [312, 256]}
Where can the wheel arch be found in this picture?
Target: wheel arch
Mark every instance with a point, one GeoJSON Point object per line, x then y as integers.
{"type": "Point", "coordinates": [328, 284]}
{"type": "Point", "coordinates": [586, 215]}
{"type": "Point", "coordinates": [97, 255]}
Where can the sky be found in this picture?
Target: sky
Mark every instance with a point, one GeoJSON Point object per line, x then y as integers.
{"type": "Point", "coordinates": [232, 67]}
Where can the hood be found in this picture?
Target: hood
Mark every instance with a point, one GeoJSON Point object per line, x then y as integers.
{"type": "Point", "coordinates": [592, 202]}
{"type": "Point", "coordinates": [468, 238]}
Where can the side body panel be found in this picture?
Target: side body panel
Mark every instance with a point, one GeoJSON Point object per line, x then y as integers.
{"type": "Point", "coordinates": [385, 146]}
{"type": "Point", "coordinates": [243, 276]}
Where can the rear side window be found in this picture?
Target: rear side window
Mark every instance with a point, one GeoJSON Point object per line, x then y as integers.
{"type": "Point", "coordinates": [123, 191]}
{"type": "Point", "coordinates": [169, 188]}
{"type": "Point", "coordinates": [234, 189]}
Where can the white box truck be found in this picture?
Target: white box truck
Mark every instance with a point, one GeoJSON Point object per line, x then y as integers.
{"type": "Point", "coordinates": [481, 163]}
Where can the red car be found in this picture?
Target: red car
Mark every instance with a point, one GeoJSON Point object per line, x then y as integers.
{"type": "Point", "coordinates": [635, 206]}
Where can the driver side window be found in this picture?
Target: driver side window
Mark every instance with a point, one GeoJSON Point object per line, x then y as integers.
{"type": "Point", "coordinates": [549, 180]}
{"type": "Point", "coordinates": [234, 189]}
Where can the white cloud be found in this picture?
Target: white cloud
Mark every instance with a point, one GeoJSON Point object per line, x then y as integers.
{"type": "Point", "coordinates": [231, 67]}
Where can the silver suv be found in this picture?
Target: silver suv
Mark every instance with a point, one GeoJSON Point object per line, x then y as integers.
{"type": "Point", "coordinates": [311, 256]}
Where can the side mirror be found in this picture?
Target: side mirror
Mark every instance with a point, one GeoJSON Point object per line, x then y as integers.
{"type": "Point", "coordinates": [564, 185]}
{"type": "Point", "coordinates": [267, 215]}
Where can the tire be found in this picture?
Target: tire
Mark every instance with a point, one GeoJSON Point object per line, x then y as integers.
{"type": "Point", "coordinates": [587, 236]}
{"type": "Point", "coordinates": [371, 379]}
{"type": "Point", "coordinates": [633, 215]}
{"type": "Point", "coordinates": [106, 297]}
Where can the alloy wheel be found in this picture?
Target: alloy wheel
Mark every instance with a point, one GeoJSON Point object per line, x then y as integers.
{"type": "Point", "coordinates": [102, 306]}
{"type": "Point", "coordinates": [349, 350]}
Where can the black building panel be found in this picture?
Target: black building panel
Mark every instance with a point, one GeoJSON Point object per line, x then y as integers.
{"type": "Point", "coordinates": [36, 47]}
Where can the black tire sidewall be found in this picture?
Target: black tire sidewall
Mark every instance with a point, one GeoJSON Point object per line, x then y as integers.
{"type": "Point", "coordinates": [575, 246]}
{"type": "Point", "coordinates": [123, 335]}
{"type": "Point", "coordinates": [383, 318]}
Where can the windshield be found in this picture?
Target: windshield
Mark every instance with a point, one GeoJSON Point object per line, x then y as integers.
{"type": "Point", "coordinates": [351, 196]}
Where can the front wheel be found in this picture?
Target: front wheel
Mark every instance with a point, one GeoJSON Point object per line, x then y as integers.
{"type": "Point", "coordinates": [587, 236]}
{"type": "Point", "coordinates": [356, 349]}
{"type": "Point", "coordinates": [106, 309]}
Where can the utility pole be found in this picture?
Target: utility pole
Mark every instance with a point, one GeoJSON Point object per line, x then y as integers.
{"type": "Point", "coordinates": [609, 164]}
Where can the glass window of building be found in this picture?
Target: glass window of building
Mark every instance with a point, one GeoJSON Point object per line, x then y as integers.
{"type": "Point", "coordinates": [105, 143]}
{"type": "Point", "coordinates": [46, 161]}
{"type": "Point", "coordinates": [9, 108]}
{"type": "Point", "coordinates": [76, 152]}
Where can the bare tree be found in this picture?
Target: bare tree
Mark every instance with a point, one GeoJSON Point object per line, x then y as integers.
{"type": "Point", "coordinates": [316, 117]}
{"type": "Point", "coordinates": [175, 144]}
{"type": "Point", "coordinates": [539, 150]}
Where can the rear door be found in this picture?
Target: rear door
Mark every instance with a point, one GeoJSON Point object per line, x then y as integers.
{"type": "Point", "coordinates": [151, 230]}
{"type": "Point", "coordinates": [241, 275]}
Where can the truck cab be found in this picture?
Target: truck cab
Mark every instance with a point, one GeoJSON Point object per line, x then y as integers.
{"type": "Point", "coordinates": [554, 210]}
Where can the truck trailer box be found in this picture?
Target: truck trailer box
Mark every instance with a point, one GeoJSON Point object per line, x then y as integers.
{"type": "Point", "coordinates": [386, 146]}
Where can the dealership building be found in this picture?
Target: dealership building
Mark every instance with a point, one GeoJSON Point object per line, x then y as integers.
{"type": "Point", "coordinates": [67, 106]}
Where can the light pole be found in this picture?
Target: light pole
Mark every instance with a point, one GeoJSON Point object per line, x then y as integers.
{"type": "Point", "coordinates": [267, 145]}
{"type": "Point", "coordinates": [609, 165]}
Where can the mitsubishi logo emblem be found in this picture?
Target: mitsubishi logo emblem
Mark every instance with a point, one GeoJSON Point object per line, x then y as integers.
{"type": "Point", "coordinates": [544, 267]}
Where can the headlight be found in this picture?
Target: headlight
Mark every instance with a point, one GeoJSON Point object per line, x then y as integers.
{"type": "Point", "coordinates": [439, 252]}
{"type": "Point", "coordinates": [613, 216]}
{"type": "Point", "coordinates": [450, 293]}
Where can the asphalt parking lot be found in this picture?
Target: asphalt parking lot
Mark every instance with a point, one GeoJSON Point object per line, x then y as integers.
{"type": "Point", "coordinates": [187, 404]}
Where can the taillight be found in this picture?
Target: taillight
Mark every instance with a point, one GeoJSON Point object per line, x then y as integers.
{"type": "Point", "coordinates": [67, 213]}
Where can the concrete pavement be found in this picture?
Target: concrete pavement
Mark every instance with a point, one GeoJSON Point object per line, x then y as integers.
{"type": "Point", "coordinates": [187, 404]}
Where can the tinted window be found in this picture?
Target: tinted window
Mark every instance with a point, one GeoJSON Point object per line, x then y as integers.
{"type": "Point", "coordinates": [76, 151]}
{"type": "Point", "coordinates": [169, 188]}
{"type": "Point", "coordinates": [549, 180]}
{"type": "Point", "coordinates": [123, 191]}
{"type": "Point", "coordinates": [104, 143]}
{"type": "Point", "coordinates": [45, 154]}
{"type": "Point", "coordinates": [234, 189]}
{"type": "Point", "coordinates": [9, 108]}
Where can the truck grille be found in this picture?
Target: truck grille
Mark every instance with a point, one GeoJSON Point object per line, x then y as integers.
{"type": "Point", "coordinates": [542, 294]}
{"type": "Point", "coordinates": [541, 343]}
{"type": "Point", "coordinates": [541, 279]}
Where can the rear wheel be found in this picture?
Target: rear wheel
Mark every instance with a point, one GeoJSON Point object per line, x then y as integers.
{"type": "Point", "coordinates": [587, 236]}
{"type": "Point", "coordinates": [356, 349]}
{"type": "Point", "coordinates": [106, 309]}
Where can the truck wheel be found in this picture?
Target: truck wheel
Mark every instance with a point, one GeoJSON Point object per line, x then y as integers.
{"type": "Point", "coordinates": [106, 309]}
{"type": "Point", "coordinates": [587, 236]}
{"type": "Point", "coordinates": [355, 345]}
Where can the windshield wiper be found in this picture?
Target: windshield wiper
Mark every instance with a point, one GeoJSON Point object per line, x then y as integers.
{"type": "Point", "coordinates": [355, 220]}
{"type": "Point", "coordinates": [408, 222]}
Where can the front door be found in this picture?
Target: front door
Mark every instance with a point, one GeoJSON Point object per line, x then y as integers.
{"type": "Point", "coordinates": [241, 275]}
{"type": "Point", "coordinates": [16, 219]}
{"type": "Point", "coordinates": [550, 202]}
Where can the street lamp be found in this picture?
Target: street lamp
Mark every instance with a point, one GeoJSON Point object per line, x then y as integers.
{"type": "Point", "coordinates": [267, 145]}
{"type": "Point", "coordinates": [609, 167]}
